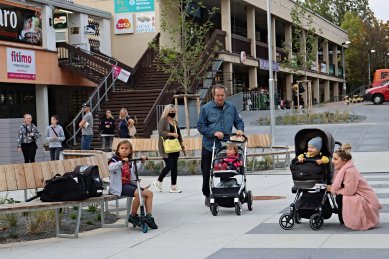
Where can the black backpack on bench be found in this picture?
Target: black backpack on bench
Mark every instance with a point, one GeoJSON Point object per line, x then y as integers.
{"type": "Point", "coordinates": [82, 183]}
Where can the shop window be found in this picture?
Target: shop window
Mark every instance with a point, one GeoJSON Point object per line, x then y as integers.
{"type": "Point", "coordinates": [16, 100]}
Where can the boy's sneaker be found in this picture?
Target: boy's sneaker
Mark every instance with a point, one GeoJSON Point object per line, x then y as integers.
{"type": "Point", "coordinates": [174, 189]}
{"type": "Point", "coordinates": [158, 185]}
{"type": "Point", "coordinates": [150, 221]}
{"type": "Point", "coordinates": [134, 219]}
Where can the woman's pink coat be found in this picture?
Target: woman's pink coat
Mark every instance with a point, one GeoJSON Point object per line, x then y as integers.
{"type": "Point", "coordinates": [360, 203]}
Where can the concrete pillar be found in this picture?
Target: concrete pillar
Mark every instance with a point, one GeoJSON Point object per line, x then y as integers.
{"type": "Point", "coordinates": [316, 89]}
{"type": "Point", "coordinates": [42, 108]}
{"type": "Point", "coordinates": [225, 6]}
{"type": "Point", "coordinates": [327, 96]}
{"type": "Point", "coordinates": [325, 55]}
{"type": "Point", "coordinates": [273, 27]}
{"type": "Point", "coordinates": [227, 77]}
{"type": "Point", "coordinates": [289, 82]}
{"type": "Point", "coordinates": [250, 13]}
{"type": "Point", "coordinates": [79, 20]}
{"type": "Point", "coordinates": [252, 77]}
{"type": "Point", "coordinates": [48, 32]}
{"type": "Point", "coordinates": [335, 59]}
{"type": "Point", "coordinates": [105, 42]}
{"type": "Point", "coordinates": [288, 38]}
{"type": "Point", "coordinates": [317, 56]}
{"type": "Point", "coordinates": [335, 91]}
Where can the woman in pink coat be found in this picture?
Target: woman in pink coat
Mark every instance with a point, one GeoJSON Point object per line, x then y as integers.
{"type": "Point", "coordinates": [359, 205]}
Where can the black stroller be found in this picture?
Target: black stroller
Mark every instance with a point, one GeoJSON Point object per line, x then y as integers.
{"type": "Point", "coordinates": [231, 191]}
{"type": "Point", "coordinates": [310, 180]}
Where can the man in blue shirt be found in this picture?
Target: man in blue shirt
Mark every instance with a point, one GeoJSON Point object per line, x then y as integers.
{"type": "Point", "coordinates": [216, 120]}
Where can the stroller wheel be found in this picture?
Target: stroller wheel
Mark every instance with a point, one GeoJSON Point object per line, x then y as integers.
{"type": "Point", "coordinates": [316, 221]}
{"type": "Point", "coordinates": [145, 228]}
{"type": "Point", "coordinates": [249, 200]}
{"type": "Point", "coordinates": [286, 221]}
{"type": "Point", "coordinates": [214, 209]}
{"type": "Point", "coordinates": [238, 208]}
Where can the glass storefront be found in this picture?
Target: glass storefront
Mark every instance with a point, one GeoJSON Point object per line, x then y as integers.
{"type": "Point", "coordinates": [17, 100]}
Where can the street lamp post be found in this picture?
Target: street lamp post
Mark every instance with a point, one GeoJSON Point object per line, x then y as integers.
{"type": "Point", "coordinates": [370, 51]}
{"type": "Point", "coordinates": [344, 90]}
{"type": "Point", "coordinates": [271, 80]}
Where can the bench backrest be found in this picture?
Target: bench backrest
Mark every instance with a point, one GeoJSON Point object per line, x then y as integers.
{"type": "Point", "coordinates": [258, 140]}
{"type": "Point", "coordinates": [31, 176]}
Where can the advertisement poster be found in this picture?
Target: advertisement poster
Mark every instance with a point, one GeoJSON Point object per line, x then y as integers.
{"type": "Point", "coordinates": [124, 23]}
{"type": "Point", "coordinates": [20, 25]}
{"type": "Point", "coordinates": [21, 64]}
{"type": "Point", "coordinates": [121, 74]}
{"type": "Point", "coordinates": [133, 6]}
{"type": "Point", "coordinates": [145, 22]}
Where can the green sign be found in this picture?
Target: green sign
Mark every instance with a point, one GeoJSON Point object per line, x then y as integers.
{"type": "Point", "coordinates": [134, 6]}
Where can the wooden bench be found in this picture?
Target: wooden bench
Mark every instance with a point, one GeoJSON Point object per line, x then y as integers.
{"type": "Point", "coordinates": [23, 177]}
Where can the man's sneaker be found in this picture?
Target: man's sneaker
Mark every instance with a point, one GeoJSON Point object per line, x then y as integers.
{"type": "Point", "coordinates": [174, 189]}
{"type": "Point", "coordinates": [150, 221]}
{"type": "Point", "coordinates": [207, 201]}
{"type": "Point", "coordinates": [158, 185]}
{"type": "Point", "coordinates": [134, 219]}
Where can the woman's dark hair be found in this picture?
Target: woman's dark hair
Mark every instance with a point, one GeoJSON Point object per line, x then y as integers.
{"type": "Point", "coordinates": [344, 152]}
{"type": "Point", "coordinates": [123, 142]}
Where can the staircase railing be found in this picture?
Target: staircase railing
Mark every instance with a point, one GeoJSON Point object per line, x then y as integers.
{"type": "Point", "coordinates": [144, 63]}
{"type": "Point", "coordinates": [218, 37]}
{"type": "Point", "coordinates": [74, 58]}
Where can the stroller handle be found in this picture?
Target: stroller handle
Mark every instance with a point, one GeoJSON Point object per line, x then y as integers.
{"type": "Point", "coordinates": [228, 136]}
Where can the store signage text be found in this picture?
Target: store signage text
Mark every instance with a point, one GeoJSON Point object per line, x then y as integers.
{"type": "Point", "coordinates": [21, 64]}
{"type": "Point", "coordinates": [5, 16]}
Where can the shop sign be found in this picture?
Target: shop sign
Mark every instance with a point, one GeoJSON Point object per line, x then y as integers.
{"type": "Point", "coordinates": [264, 64]}
{"type": "Point", "coordinates": [21, 64]}
{"type": "Point", "coordinates": [133, 6]}
{"type": "Point", "coordinates": [20, 25]}
{"type": "Point", "coordinates": [121, 74]}
{"type": "Point", "coordinates": [60, 20]}
{"type": "Point", "coordinates": [124, 23]}
{"type": "Point", "coordinates": [243, 57]}
{"type": "Point", "coordinates": [145, 22]}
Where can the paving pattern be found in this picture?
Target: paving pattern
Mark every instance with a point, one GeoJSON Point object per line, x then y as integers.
{"type": "Point", "coordinates": [269, 240]}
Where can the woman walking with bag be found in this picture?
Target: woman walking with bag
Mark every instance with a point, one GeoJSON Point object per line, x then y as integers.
{"type": "Point", "coordinates": [55, 136]}
{"type": "Point", "coordinates": [27, 137]}
{"type": "Point", "coordinates": [126, 125]}
{"type": "Point", "coordinates": [168, 130]}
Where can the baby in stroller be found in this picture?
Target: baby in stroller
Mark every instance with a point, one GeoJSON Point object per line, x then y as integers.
{"type": "Point", "coordinates": [311, 172]}
{"type": "Point", "coordinates": [231, 162]}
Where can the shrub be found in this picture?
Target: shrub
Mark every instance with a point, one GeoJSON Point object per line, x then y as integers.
{"type": "Point", "coordinates": [40, 221]}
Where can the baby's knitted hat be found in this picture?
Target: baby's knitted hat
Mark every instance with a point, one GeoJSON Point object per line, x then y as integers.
{"type": "Point", "coordinates": [316, 143]}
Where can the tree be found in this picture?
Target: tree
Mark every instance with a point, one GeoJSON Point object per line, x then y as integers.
{"type": "Point", "coordinates": [304, 43]}
{"type": "Point", "coordinates": [182, 59]}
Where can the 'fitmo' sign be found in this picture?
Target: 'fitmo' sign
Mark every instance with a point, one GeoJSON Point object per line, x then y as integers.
{"type": "Point", "coordinates": [21, 64]}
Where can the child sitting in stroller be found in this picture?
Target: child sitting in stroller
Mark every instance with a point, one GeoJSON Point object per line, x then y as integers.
{"type": "Point", "coordinates": [313, 152]}
{"type": "Point", "coordinates": [231, 162]}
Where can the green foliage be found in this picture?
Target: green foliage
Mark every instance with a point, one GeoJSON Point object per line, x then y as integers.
{"type": "Point", "coordinates": [73, 216]}
{"type": "Point", "coordinates": [89, 222]}
{"type": "Point", "coordinates": [40, 221]}
{"type": "Point", "coordinates": [265, 163]}
{"type": "Point", "coordinates": [92, 208]}
{"type": "Point", "coordinates": [155, 166]}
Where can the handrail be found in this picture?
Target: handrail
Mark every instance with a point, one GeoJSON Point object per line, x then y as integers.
{"type": "Point", "coordinates": [120, 64]}
{"type": "Point", "coordinates": [97, 63]}
{"type": "Point", "coordinates": [144, 63]}
{"type": "Point", "coordinates": [216, 35]}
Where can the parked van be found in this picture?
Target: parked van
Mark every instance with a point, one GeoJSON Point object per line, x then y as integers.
{"type": "Point", "coordinates": [379, 83]}
{"type": "Point", "coordinates": [378, 94]}
{"type": "Point", "coordinates": [380, 74]}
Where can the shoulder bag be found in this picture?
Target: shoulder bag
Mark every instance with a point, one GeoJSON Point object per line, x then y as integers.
{"type": "Point", "coordinates": [171, 145]}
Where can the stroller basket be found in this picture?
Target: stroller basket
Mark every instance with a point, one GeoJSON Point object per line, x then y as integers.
{"type": "Point", "coordinates": [308, 171]}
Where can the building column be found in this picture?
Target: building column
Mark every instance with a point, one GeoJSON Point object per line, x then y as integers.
{"type": "Point", "coordinates": [317, 56]}
{"type": "Point", "coordinates": [316, 89]}
{"type": "Point", "coordinates": [225, 8]}
{"type": "Point", "coordinates": [335, 59]}
{"type": "Point", "coordinates": [335, 91]}
{"type": "Point", "coordinates": [253, 77]}
{"type": "Point", "coordinates": [42, 108]}
{"type": "Point", "coordinates": [327, 96]}
{"type": "Point", "coordinates": [105, 42]}
{"type": "Point", "coordinates": [48, 34]}
{"type": "Point", "coordinates": [227, 77]}
{"type": "Point", "coordinates": [325, 56]}
{"type": "Point", "coordinates": [289, 82]}
{"type": "Point", "coordinates": [288, 39]}
{"type": "Point", "coordinates": [250, 13]}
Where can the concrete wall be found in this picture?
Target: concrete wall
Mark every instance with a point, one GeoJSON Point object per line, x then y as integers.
{"type": "Point", "coordinates": [8, 135]}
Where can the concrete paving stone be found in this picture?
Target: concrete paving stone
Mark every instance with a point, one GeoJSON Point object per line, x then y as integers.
{"type": "Point", "coordinates": [385, 208]}
{"type": "Point", "coordinates": [165, 252]}
{"type": "Point", "coordinates": [382, 195]}
{"type": "Point", "coordinates": [299, 253]}
{"type": "Point", "coordinates": [384, 201]}
{"type": "Point", "coordinates": [380, 185]}
{"type": "Point", "coordinates": [382, 190]}
{"type": "Point", "coordinates": [376, 178]}
{"type": "Point", "coordinates": [366, 240]}
{"type": "Point", "coordinates": [304, 227]}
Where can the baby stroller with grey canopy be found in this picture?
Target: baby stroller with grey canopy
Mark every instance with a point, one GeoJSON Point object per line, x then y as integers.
{"type": "Point", "coordinates": [231, 190]}
{"type": "Point", "coordinates": [310, 180]}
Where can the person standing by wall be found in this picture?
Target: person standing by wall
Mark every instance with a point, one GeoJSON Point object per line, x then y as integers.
{"type": "Point", "coordinates": [55, 136]}
{"type": "Point", "coordinates": [27, 137]}
{"type": "Point", "coordinates": [107, 127]}
{"type": "Point", "coordinates": [216, 120]}
{"type": "Point", "coordinates": [86, 125]}
{"type": "Point", "coordinates": [168, 129]}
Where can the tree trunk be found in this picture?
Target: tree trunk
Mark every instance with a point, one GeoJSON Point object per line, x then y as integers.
{"type": "Point", "coordinates": [187, 117]}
